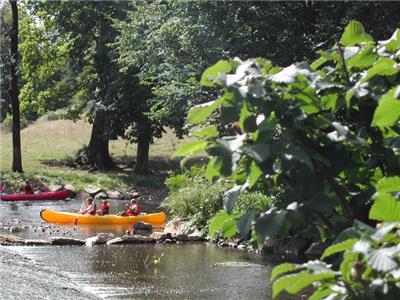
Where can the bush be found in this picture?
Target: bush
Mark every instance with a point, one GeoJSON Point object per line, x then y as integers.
{"type": "Point", "coordinates": [193, 175]}
{"type": "Point", "coordinates": [7, 123]}
{"type": "Point", "coordinates": [256, 201]}
{"type": "Point", "coordinates": [54, 115]}
{"type": "Point", "coordinates": [192, 196]}
{"type": "Point", "coordinates": [199, 202]}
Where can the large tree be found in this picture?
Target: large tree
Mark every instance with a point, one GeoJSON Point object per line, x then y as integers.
{"type": "Point", "coordinates": [86, 25]}
{"type": "Point", "coordinates": [14, 90]}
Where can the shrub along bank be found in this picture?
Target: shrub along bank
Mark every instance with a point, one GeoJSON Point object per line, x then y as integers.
{"type": "Point", "coordinates": [192, 196]}
{"type": "Point", "coordinates": [326, 137]}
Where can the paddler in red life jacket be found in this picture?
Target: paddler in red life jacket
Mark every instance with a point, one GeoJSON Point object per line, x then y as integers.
{"type": "Point", "coordinates": [27, 188]}
{"type": "Point", "coordinates": [132, 209]}
{"type": "Point", "coordinates": [90, 208]}
{"type": "Point", "coordinates": [104, 208]}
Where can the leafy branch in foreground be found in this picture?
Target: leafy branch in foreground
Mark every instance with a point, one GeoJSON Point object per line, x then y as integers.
{"type": "Point", "coordinates": [326, 136]}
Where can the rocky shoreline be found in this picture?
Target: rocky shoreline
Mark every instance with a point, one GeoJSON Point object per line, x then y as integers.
{"type": "Point", "coordinates": [175, 231]}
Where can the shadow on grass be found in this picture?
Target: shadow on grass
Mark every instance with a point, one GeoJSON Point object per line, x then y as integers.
{"type": "Point", "coordinates": [159, 168]}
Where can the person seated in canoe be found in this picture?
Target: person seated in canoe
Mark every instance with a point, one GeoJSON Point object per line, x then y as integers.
{"type": "Point", "coordinates": [132, 209]}
{"type": "Point", "coordinates": [104, 208]}
{"type": "Point", "coordinates": [43, 188]}
{"type": "Point", "coordinates": [89, 207]}
{"type": "Point", "coordinates": [27, 188]}
{"type": "Point", "coordinates": [2, 188]}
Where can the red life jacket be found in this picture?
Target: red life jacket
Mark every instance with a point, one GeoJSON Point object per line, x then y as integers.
{"type": "Point", "coordinates": [132, 212]}
{"type": "Point", "coordinates": [28, 189]}
{"type": "Point", "coordinates": [105, 208]}
{"type": "Point", "coordinates": [94, 209]}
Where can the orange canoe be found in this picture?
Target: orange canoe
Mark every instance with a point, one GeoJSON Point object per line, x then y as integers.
{"type": "Point", "coordinates": [156, 219]}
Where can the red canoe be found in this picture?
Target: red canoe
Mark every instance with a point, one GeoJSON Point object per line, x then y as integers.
{"type": "Point", "coordinates": [43, 196]}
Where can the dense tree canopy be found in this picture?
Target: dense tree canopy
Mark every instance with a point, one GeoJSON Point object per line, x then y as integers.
{"type": "Point", "coordinates": [132, 68]}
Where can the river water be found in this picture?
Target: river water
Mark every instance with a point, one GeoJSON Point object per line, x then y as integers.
{"type": "Point", "coordinates": [146, 271]}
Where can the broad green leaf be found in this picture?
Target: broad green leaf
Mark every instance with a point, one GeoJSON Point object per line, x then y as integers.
{"type": "Point", "coordinates": [392, 44]}
{"type": "Point", "coordinates": [231, 143]}
{"type": "Point", "coordinates": [260, 152]}
{"type": "Point", "coordinates": [217, 222]}
{"type": "Point", "coordinates": [209, 131]}
{"type": "Point", "coordinates": [382, 260]}
{"type": "Point", "coordinates": [317, 266]}
{"type": "Point", "coordinates": [363, 59]}
{"type": "Point", "coordinates": [294, 283]}
{"type": "Point", "coordinates": [190, 148]}
{"type": "Point", "coordinates": [381, 233]}
{"type": "Point", "coordinates": [244, 224]}
{"type": "Point", "coordinates": [289, 74]}
{"type": "Point", "coordinates": [383, 67]}
{"type": "Point", "coordinates": [340, 247]}
{"type": "Point", "coordinates": [199, 113]}
{"type": "Point", "coordinates": [304, 279]}
{"type": "Point", "coordinates": [385, 208]}
{"type": "Point", "coordinates": [319, 62]}
{"type": "Point", "coordinates": [321, 293]}
{"type": "Point", "coordinates": [354, 33]}
{"type": "Point", "coordinates": [269, 224]}
{"type": "Point", "coordinates": [388, 111]}
{"type": "Point", "coordinates": [210, 74]}
{"type": "Point", "coordinates": [281, 284]}
{"type": "Point", "coordinates": [361, 246]}
{"type": "Point", "coordinates": [300, 155]}
{"type": "Point", "coordinates": [388, 185]}
{"type": "Point", "coordinates": [254, 174]}
{"type": "Point", "coordinates": [347, 264]}
{"type": "Point", "coordinates": [230, 197]}
{"type": "Point", "coordinates": [229, 228]}
{"type": "Point", "coordinates": [282, 269]}
{"type": "Point", "coordinates": [213, 167]}
{"type": "Point", "coordinates": [247, 118]}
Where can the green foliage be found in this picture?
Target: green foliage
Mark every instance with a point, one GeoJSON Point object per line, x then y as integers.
{"type": "Point", "coordinates": [369, 269]}
{"type": "Point", "coordinates": [386, 206]}
{"type": "Point", "coordinates": [326, 134]}
{"type": "Point", "coordinates": [369, 266]}
{"type": "Point", "coordinates": [198, 202]}
{"type": "Point", "coordinates": [193, 196]}
{"type": "Point", "coordinates": [310, 131]}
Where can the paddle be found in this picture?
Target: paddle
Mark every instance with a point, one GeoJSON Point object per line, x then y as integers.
{"type": "Point", "coordinates": [77, 216]}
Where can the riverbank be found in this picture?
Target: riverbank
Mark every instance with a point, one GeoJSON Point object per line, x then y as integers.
{"type": "Point", "coordinates": [22, 278]}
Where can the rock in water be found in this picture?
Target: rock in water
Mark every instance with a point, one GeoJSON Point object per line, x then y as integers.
{"type": "Point", "coordinates": [196, 236]}
{"type": "Point", "coordinates": [178, 226]}
{"type": "Point", "coordinates": [96, 240]}
{"type": "Point", "coordinates": [100, 196]}
{"type": "Point", "coordinates": [115, 195]}
{"type": "Point", "coordinates": [55, 187]}
{"type": "Point", "coordinates": [62, 241]}
{"type": "Point", "coordinates": [143, 226]}
{"type": "Point", "coordinates": [92, 190]}
{"type": "Point", "coordinates": [37, 242]}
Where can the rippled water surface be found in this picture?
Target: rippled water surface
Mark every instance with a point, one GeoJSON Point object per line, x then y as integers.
{"type": "Point", "coordinates": [184, 271]}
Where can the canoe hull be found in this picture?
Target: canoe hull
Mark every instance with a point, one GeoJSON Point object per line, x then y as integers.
{"type": "Point", "coordinates": [156, 219]}
{"type": "Point", "coordinates": [60, 195]}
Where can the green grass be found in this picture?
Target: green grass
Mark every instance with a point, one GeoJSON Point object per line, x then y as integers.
{"type": "Point", "coordinates": [47, 144]}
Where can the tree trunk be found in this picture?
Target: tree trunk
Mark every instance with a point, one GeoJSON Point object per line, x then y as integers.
{"type": "Point", "coordinates": [142, 155]}
{"type": "Point", "coordinates": [14, 92]}
{"type": "Point", "coordinates": [98, 152]}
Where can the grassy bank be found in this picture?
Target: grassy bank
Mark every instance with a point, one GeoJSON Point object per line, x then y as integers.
{"type": "Point", "coordinates": [46, 146]}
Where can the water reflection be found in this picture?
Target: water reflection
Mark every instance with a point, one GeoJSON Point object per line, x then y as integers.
{"type": "Point", "coordinates": [186, 271]}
